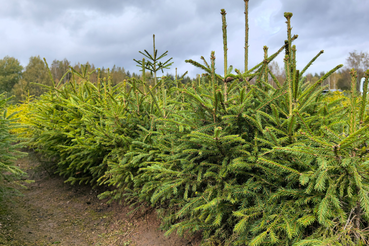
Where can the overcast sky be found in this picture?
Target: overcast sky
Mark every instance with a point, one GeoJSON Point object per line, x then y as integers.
{"type": "Point", "coordinates": [113, 31]}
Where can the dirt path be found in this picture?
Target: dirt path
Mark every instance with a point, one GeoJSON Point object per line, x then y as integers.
{"type": "Point", "coordinates": [54, 213]}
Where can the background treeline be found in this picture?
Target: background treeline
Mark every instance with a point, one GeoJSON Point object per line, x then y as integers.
{"type": "Point", "coordinates": [338, 80]}
{"type": "Point", "coordinates": [20, 81]}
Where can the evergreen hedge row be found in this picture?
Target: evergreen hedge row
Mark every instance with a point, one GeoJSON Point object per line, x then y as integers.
{"type": "Point", "coordinates": [244, 163]}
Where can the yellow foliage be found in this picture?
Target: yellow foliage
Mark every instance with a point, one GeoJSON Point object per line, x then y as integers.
{"type": "Point", "coordinates": [22, 117]}
{"type": "Point", "coordinates": [333, 96]}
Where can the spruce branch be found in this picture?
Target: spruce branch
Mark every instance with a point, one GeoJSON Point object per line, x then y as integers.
{"type": "Point", "coordinates": [288, 17]}
{"type": "Point", "coordinates": [246, 34]}
{"type": "Point", "coordinates": [225, 49]}
{"type": "Point", "coordinates": [275, 80]}
{"type": "Point", "coordinates": [311, 62]}
{"type": "Point", "coordinates": [271, 163]}
{"type": "Point", "coordinates": [305, 96]}
{"type": "Point", "coordinates": [196, 64]}
{"type": "Point", "coordinates": [353, 74]}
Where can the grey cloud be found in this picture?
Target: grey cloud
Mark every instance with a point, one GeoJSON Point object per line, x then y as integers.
{"type": "Point", "coordinates": [327, 24]}
{"type": "Point", "coordinates": [113, 31]}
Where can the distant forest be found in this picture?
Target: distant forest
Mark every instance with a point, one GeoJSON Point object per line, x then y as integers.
{"type": "Point", "coordinates": [19, 81]}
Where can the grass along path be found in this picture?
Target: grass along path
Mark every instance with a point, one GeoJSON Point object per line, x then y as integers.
{"type": "Point", "coordinates": [54, 213]}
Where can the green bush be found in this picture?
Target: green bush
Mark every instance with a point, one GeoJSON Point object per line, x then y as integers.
{"type": "Point", "coordinates": [9, 172]}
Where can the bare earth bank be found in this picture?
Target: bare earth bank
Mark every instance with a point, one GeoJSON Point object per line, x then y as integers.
{"type": "Point", "coordinates": [54, 213]}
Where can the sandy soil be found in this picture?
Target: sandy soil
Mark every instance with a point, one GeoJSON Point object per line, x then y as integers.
{"type": "Point", "coordinates": [54, 213]}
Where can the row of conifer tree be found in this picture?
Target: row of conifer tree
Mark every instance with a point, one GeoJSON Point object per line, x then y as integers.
{"type": "Point", "coordinates": [241, 163]}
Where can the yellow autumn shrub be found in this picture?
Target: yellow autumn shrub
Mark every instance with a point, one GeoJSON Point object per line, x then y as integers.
{"type": "Point", "coordinates": [22, 117]}
{"type": "Point", "coordinates": [333, 96]}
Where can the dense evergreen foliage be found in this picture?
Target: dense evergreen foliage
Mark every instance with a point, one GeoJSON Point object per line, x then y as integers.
{"type": "Point", "coordinates": [243, 163]}
{"type": "Point", "coordinates": [8, 152]}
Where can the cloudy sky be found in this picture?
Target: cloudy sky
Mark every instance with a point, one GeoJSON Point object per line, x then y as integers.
{"type": "Point", "coordinates": [113, 31]}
